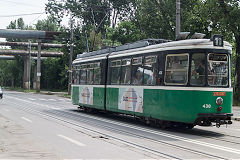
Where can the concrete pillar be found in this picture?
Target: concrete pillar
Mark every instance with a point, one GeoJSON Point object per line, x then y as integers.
{"type": "Point", "coordinates": [38, 66]}
{"type": "Point", "coordinates": [26, 74]}
{"type": "Point", "coordinates": [35, 76]}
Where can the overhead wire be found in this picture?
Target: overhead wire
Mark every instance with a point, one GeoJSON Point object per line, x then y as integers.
{"type": "Point", "coordinates": [28, 14]}
{"type": "Point", "coordinates": [36, 18]}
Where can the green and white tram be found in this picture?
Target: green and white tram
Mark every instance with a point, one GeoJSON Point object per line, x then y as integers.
{"type": "Point", "coordinates": [186, 82]}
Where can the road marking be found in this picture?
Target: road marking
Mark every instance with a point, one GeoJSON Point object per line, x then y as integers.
{"type": "Point", "coordinates": [56, 108]}
{"type": "Point", "coordinates": [72, 140]}
{"type": "Point", "coordinates": [42, 99]}
{"type": "Point", "coordinates": [78, 159]}
{"type": "Point", "coordinates": [26, 119]}
{"type": "Point", "coordinates": [32, 99]}
{"type": "Point", "coordinates": [6, 110]}
{"type": "Point", "coordinates": [52, 99]}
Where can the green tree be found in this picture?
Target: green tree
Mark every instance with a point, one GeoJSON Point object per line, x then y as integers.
{"type": "Point", "coordinates": [92, 14]}
{"type": "Point", "coordinates": [125, 32]}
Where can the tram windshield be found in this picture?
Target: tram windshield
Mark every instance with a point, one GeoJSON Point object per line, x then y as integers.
{"type": "Point", "coordinates": [217, 69]}
{"type": "Point", "coordinates": [198, 70]}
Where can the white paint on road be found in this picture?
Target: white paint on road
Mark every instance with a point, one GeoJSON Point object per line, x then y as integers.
{"type": "Point", "coordinates": [26, 119]}
{"type": "Point", "coordinates": [72, 140]}
{"type": "Point", "coordinates": [32, 99]}
{"type": "Point", "coordinates": [42, 99]}
{"type": "Point", "coordinates": [55, 108]}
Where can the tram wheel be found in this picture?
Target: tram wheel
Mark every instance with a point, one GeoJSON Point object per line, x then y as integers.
{"type": "Point", "coordinates": [189, 126]}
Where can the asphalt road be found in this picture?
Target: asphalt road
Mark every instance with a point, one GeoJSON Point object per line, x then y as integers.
{"type": "Point", "coordinates": [36, 126]}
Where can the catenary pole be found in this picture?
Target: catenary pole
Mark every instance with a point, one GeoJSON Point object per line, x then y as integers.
{"type": "Point", "coordinates": [178, 17]}
{"type": "Point", "coordinates": [70, 56]}
{"type": "Point", "coordinates": [29, 68]}
{"type": "Point", "coordinates": [38, 66]}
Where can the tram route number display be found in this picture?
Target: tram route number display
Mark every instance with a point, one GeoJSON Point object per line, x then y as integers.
{"type": "Point", "coordinates": [130, 99]}
{"type": "Point", "coordinates": [86, 95]}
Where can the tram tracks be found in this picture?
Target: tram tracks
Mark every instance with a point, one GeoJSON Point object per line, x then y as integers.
{"type": "Point", "coordinates": [227, 138]}
{"type": "Point", "coordinates": [67, 115]}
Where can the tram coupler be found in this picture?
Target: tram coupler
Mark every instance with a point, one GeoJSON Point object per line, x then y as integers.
{"type": "Point", "coordinates": [220, 122]}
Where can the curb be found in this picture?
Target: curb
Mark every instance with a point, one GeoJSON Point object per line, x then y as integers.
{"type": "Point", "coordinates": [236, 119]}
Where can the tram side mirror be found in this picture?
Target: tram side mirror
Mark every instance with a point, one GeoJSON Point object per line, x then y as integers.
{"type": "Point", "coordinates": [217, 40]}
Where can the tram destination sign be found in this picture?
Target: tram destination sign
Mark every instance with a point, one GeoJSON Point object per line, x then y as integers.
{"type": "Point", "coordinates": [217, 40]}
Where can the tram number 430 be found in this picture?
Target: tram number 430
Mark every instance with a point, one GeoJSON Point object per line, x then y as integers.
{"type": "Point", "coordinates": [207, 106]}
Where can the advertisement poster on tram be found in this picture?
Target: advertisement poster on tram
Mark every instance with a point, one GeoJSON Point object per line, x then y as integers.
{"type": "Point", "coordinates": [130, 99]}
{"type": "Point", "coordinates": [86, 95]}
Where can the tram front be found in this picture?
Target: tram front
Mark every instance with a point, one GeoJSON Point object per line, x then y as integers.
{"type": "Point", "coordinates": [217, 103]}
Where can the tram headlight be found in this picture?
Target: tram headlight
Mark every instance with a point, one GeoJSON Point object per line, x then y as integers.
{"type": "Point", "coordinates": [219, 101]}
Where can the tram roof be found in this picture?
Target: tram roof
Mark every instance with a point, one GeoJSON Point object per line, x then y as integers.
{"type": "Point", "coordinates": [150, 45]}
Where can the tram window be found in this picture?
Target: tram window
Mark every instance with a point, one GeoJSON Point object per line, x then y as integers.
{"type": "Point", "coordinates": [217, 69]}
{"type": "Point", "coordinates": [115, 71]}
{"type": "Point", "coordinates": [176, 69]}
{"type": "Point", "coordinates": [198, 69]}
{"type": "Point", "coordinates": [126, 71]}
{"type": "Point", "coordinates": [150, 70]}
{"type": "Point", "coordinates": [90, 74]}
{"type": "Point", "coordinates": [83, 76]}
{"type": "Point", "coordinates": [137, 71]}
{"type": "Point", "coordinates": [97, 73]}
{"type": "Point", "coordinates": [74, 76]}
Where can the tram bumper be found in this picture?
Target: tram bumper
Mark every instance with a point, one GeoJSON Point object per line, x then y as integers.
{"type": "Point", "coordinates": [206, 119]}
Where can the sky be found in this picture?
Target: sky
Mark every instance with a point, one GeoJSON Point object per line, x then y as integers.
{"type": "Point", "coordinates": [30, 10]}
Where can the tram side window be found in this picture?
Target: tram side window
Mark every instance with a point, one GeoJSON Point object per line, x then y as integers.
{"type": "Point", "coordinates": [176, 69]}
{"type": "Point", "coordinates": [90, 74]}
{"type": "Point", "coordinates": [76, 76]}
{"type": "Point", "coordinates": [97, 73]}
{"type": "Point", "coordinates": [217, 69]}
{"type": "Point", "coordinates": [83, 74]}
{"type": "Point", "coordinates": [115, 71]}
{"type": "Point", "coordinates": [150, 70]}
{"type": "Point", "coordinates": [198, 69]}
{"type": "Point", "coordinates": [126, 71]}
{"type": "Point", "coordinates": [137, 71]}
